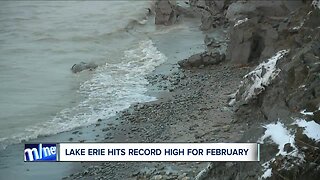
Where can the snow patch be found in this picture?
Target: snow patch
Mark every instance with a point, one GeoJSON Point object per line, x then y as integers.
{"type": "Point", "coordinates": [240, 22]}
{"type": "Point", "coordinates": [316, 4]}
{"type": "Point", "coordinates": [311, 128]}
{"type": "Point", "coordinates": [267, 171]}
{"type": "Point", "coordinates": [299, 27]}
{"type": "Point", "coordinates": [266, 174]}
{"type": "Point", "coordinates": [304, 112]}
{"type": "Point", "coordinates": [232, 102]}
{"type": "Point", "coordinates": [256, 81]}
{"type": "Point", "coordinates": [280, 135]}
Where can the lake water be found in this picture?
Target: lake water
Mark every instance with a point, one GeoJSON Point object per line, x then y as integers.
{"type": "Point", "coordinates": [41, 100]}
{"type": "Point", "coordinates": [40, 41]}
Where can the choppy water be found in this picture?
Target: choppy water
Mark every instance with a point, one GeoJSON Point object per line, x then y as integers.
{"type": "Point", "coordinates": [39, 96]}
{"type": "Point", "coordinates": [40, 41]}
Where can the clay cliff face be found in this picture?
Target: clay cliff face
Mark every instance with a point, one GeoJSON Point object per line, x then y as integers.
{"type": "Point", "coordinates": [279, 41]}
{"type": "Point", "coordinates": [257, 31]}
{"type": "Point", "coordinates": [254, 30]}
{"type": "Point", "coordinates": [256, 38]}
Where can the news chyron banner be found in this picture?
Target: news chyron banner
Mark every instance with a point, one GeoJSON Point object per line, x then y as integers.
{"type": "Point", "coordinates": [72, 152]}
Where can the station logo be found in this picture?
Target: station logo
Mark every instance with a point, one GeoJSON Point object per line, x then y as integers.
{"type": "Point", "coordinates": [40, 152]}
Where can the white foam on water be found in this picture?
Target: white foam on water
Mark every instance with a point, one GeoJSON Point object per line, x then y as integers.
{"type": "Point", "coordinates": [113, 88]}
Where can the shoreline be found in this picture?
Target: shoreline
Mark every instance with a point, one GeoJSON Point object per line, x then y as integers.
{"type": "Point", "coordinates": [167, 120]}
{"type": "Point", "coordinates": [101, 130]}
{"type": "Point", "coordinates": [172, 118]}
{"type": "Point", "coordinates": [263, 94]}
{"type": "Point", "coordinates": [194, 88]}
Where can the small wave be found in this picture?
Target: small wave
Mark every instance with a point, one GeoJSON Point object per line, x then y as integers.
{"type": "Point", "coordinates": [135, 22]}
{"type": "Point", "coordinates": [118, 32]}
{"type": "Point", "coordinates": [130, 25]}
{"type": "Point", "coordinates": [166, 30]}
{"type": "Point", "coordinates": [48, 39]}
{"type": "Point", "coordinates": [113, 88]}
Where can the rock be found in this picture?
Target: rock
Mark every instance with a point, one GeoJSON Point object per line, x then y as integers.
{"type": "Point", "coordinates": [157, 177]}
{"type": "Point", "coordinates": [257, 23]}
{"type": "Point", "coordinates": [316, 48]}
{"type": "Point", "coordinates": [239, 48]}
{"type": "Point", "coordinates": [187, 12]}
{"type": "Point", "coordinates": [257, 80]}
{"type": "Point", "coordinates": [288, 148]}
{"type": "Point", "coordinates": [208, 22]}
{"type": "Point", "coordinates": [182, 175]}
{"type": "Point", "coordinates": [194, 60]}
{"type": "Point", "coordinates": [135, 174]}
{"type": "Point", "coordinates": [283, 27]}
{"type": "Point", "coordinates": [186, 178]}
{"type": "Point", "coordinates": [251, 41]}
{"type": "Point", "coordinates": [226, 128]}
{"type": "Point", "coordinates": [211, 42]}
{"type": "Point", "coordinates": [83, 66]}
{"type": "Point", "coordinates": [256, 8]}
{"type": "Point", "coordinates": [313, 19]}
{"type": "Point", "coordinates": [316, 116]}
{"type": "Point", "coordinates": [165, 12]}
{"type": "Point", "coordinates": [202, 60]}
{"type": "Point", "coordinates": [212, 14]}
